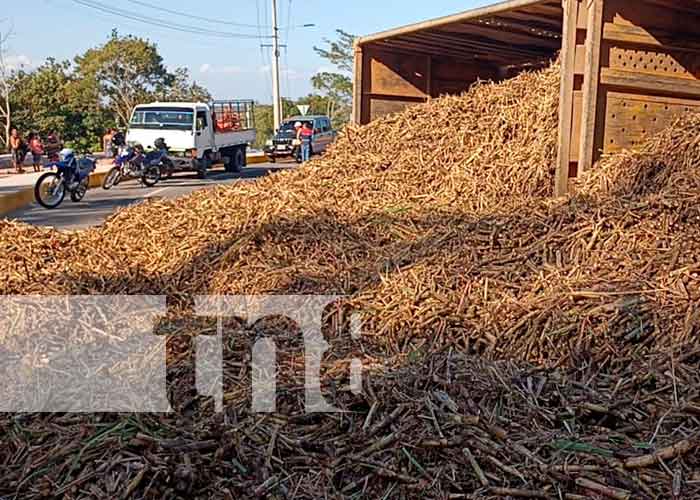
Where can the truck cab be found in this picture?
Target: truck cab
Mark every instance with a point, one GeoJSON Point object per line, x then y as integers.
{"type": "Point", "coordinates": [197, 134]}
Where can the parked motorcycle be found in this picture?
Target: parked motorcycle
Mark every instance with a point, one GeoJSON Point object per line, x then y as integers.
{"type": "Point", "coordinates": [160, 155]}
{"type": "Point", "coordinates": [72, 175]}
{"type": "Point", "coordinates": [130, 163]}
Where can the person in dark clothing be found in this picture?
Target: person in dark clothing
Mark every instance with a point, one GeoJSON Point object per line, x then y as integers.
{"type": "Point", "coordinates": [118, 140]}
{"type": "Point", "coordinates": [18, 149]}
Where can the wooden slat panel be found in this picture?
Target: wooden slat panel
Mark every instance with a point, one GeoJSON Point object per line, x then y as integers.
{"type": "Point", "coordinates": [651, 38]}
{"type": "Point", "coordinates": [632, 118]}
{"type": "Point", "coordinates": [381, 107]}
{"type": "Point", "coordinates": [453, 77]}
{"type": "Point", "coordinates": [650, 83]}
{"type": "Point", "coordinates": [645, 15]}
{"type": "Point", "coordinates": [655, 62]}
{"type": "Point", "coordinates": [391, 74]}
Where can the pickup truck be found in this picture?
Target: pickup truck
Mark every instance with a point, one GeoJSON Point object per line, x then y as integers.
{"type": "Point", "coordinates": [197, 134]}
{"type": "Point", "coordinates": [282, 144]}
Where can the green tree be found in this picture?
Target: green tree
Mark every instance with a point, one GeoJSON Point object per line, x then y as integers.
{"type": "Point", "coordinates": [125, 71]}
{"type": "Point", "coordinates": [81, 100]}
{"type": "Point", "coordinates": [341, 52]}
{"type": "Point", "coordinates": [39, 98]}
{"type": "Point", "coordinates": [5, 92]}
{"type": "Point", "coordinates": [49, 99]}
{"type": "Point", "coordinates": [264, 120]}
{"type": "Point", "coordinates": [337, 87]}
{"type": "Point", "coordinates": [178, 87]}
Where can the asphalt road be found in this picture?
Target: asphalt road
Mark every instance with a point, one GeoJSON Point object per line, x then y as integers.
{"type": "Point", "coordinates": [99, 204]}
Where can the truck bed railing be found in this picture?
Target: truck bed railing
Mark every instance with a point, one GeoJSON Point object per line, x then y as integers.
{"type": "Point", "coordinates": [233, 116]}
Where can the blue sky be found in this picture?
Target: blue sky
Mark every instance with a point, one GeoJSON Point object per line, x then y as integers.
{"type": "Point", "coordinates": [230, 68]}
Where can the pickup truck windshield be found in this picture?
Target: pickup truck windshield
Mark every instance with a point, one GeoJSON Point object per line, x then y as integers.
{"type": "Point", "coordinates": [163, 118]}
{"type": "Point", "coordinates": [289, 126]}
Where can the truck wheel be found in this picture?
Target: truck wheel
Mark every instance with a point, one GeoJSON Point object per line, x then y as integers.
{"type": "Point", "coordinates": [238, 159]}
{"type": "Point", "coordinates": [203, 166]}
{"type": "Point", "coordinates": [228, 162]}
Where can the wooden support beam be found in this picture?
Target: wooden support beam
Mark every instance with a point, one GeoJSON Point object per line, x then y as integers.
{"type": "Point", "coordinates": [464, 16]}
{"type": "Point", "coordinates": [416, 47]}
{"type": "Point", "coordinates": [357, 86]}
{"type": "Point", "coordinates": [591, 84]}
{"type": "Point", "coordinates": [550, 8]}
{"type": "Point", "coordinates": [552, 23]}
{"type": "Point", "coordinates": [469, 44]}
{"type": "Point", "coordinates": [504, 36]}
{"type": "Point", "coordinates": [654, 84]}
{"type": "Point", "coordinates": [566, 100]}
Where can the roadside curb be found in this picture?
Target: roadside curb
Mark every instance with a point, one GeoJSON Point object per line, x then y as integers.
{"type": "Point", "coordinates": [254, 160]}
{"type": "Point", "coordinates": [14, 201]}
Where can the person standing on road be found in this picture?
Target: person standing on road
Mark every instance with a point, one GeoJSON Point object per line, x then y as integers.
{"type": "Point", "coordinates": [37, 149]}
{"type": "Point", "coordinates": [18, 150]}
{"type": "Point", "coordinates": [307, 135]}
{"type": "Point", "coordinates": [107, 142]}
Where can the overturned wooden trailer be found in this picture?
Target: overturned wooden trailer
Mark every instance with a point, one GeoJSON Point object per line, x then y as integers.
{"type": "Point", "coordinates": [628, 67]}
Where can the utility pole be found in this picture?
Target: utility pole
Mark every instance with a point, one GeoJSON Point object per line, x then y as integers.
{"type": "Point", "coordinates": [276, 98]}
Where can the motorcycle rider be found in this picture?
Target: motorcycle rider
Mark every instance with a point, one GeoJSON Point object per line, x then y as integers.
{"type": "Point", "coordinates": [118, 141]}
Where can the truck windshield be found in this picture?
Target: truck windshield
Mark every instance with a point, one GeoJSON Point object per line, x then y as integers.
{"type": "Point", "coordinates": [163, 118]}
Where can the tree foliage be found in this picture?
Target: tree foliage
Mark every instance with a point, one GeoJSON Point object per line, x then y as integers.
{"type": "Point", "coordinates": [178, 87]}
{"type": "Point", "coordinates": [125, 71]}
{"type": "Point", "coordinates": [340, 52]}
{"type": "Point", "coordinates": [337, 87]}
{"type": "Point", "coordinates": [264, 120]}
{"type": "Point", "coordinates": [98, 90]}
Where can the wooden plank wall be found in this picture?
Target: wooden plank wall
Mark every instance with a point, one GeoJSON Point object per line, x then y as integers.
{"type": "Point", "coordinates": [391, 81]}
{"type": "Point", "coordinates": [387, 81]}
{"type": "Point", "coordinates": [636, 66]}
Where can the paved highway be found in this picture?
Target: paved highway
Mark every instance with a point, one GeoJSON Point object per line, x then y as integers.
{"type": "Point", "coordinates": [100, 204]}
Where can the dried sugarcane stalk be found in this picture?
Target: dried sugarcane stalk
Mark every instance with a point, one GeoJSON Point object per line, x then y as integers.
{"type": "Point", "coordinates": [676, 450]}
{"type": "Point", "coordinates": [603, 489]}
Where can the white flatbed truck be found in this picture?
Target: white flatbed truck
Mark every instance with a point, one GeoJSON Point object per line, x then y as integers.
{"type": "Point", "coordinates": [197, 134]}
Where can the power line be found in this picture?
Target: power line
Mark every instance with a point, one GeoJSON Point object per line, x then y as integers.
{"type": "Point", "coordinates": [286, 50]}
{"type": "Point", "coordinates": [264, 55]}
{"type": "Point", "coordinates": [192, 16]}
{"type": "Point", "coordinates": [156, 22]}
{"type": "Point", "coordinates": [289, 22]}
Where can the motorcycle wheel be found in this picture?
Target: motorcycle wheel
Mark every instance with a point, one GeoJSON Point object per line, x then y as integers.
{"type": "Point", "coordinates": [50, 190]}
{"type": "Point", "coordinates": [112, 179]}
{"type": "Point", "coordinates": [150, 176]}
{"type": "Point", "coordinates": [80, 191]}
{"type": "Point", "coordinates": [167, 169]}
